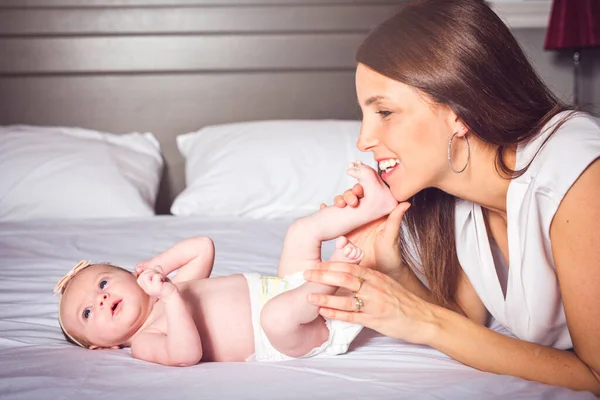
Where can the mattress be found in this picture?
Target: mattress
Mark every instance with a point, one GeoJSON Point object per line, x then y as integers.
{"type": "Point", "coordinates": [36, 361]}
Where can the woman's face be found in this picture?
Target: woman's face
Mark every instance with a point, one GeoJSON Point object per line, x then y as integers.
{"type": "Point", "coordinates": [406, 132]}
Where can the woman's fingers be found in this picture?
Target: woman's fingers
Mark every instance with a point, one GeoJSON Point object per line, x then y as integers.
{"type": "Point", "coordinates": [379, 302]}
{"type": "Point", "coordinates": [333, 278]}
{"type": "Point", "coordinates": [344, 303]}
{"type": "Point", "coordinates": [350, 197]}
{"type": "Point", "coordinates": [337, 266]}
{"type": "Point", "coordinates": [340, 274]}
{"type": "Point", "coordinates": [352, 317]}
{"type": "Point", "coordinates": [342, 308]}
{"type": "Point", "coordinates": [391, 227]}
{"type": "Point", "coordinates": [386, 245]}
{"type": "Point", "coordinates": [358, 190]}
{"type": "Point", "coordinates": [339, 201]}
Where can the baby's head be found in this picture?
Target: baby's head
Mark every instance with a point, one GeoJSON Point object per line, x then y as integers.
{"type": "Point", "coordinates": [101, 305]}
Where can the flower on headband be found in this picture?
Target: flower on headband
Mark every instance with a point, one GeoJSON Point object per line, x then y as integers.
{"type": "Point", "coordinates": [60, 286]}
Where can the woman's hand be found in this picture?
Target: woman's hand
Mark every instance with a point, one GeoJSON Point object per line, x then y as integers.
{"type": "Point", "coordinates": [380, 239]}
{"type": "Point", "coordinates": [387, 306]}
{"type": "Point", "coordinates": [351, 197]}
{"type": "Point", "coordinates": [386, 246]}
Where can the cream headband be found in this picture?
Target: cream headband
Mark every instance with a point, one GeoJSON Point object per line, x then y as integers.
{"type": "Point", "coordinates": [60, 288]}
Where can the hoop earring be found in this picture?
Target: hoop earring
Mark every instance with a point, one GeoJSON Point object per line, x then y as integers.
{"type": "Point", "coordinates": [458, 171]}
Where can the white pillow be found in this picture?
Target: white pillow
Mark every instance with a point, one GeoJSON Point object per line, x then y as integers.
{"type": "Point", "coordinates": [266, 169]}
{"type": "Point", "coordinates": [57, 172]}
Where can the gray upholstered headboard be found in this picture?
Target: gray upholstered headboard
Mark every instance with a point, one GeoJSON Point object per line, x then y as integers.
{"type": "Point", "coordinates": [173, 66]}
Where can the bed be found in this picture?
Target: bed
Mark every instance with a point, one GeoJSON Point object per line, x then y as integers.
{"type": "Point", "coordinates": [133, 124]}
{"type": "Point", "coordinates": [36, 362]}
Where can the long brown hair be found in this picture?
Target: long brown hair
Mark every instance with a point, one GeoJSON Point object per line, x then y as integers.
{"type": "Point", "coordinates": [460, 54]}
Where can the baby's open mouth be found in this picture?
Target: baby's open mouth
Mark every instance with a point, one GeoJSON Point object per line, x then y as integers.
{"type": "Point", "coordinates": [115, 306]}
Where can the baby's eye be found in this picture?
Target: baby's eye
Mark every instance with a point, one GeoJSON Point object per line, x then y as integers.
{"type": "Point", "coordinates": [103, 283]}
{"type": "Point", "coordinates": [384, 113]}
{"type": "Point", "coordinates": [86, 313]}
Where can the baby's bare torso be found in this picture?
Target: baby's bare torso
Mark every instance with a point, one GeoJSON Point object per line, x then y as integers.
{"type": "Point", "coordinates": [221, 310]}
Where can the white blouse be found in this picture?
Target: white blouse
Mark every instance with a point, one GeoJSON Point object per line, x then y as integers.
{"type": "Point", "coordinates": [532, 308]}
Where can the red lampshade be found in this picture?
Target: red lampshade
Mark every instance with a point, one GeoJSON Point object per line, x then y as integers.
{"type": "Point", "coordinates": [574, 24]}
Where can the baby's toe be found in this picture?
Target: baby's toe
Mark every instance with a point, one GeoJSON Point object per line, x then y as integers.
{"type": "Point", "coordinates": [341, 242]}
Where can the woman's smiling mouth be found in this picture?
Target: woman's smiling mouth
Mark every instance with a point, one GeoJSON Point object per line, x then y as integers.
{"type": "Point", "coordinates": [387, 166]}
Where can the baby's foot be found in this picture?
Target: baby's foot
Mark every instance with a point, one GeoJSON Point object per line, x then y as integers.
{"type": "Point", "coordinates": [378, 199]}
{"type": "Point", "coordinates": [346, 251]}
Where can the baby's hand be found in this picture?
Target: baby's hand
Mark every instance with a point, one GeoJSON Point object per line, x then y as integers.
{"type": "Point", "coordinates": [141, 267]}
{"type": "Point", "coordinates": [155, 283]}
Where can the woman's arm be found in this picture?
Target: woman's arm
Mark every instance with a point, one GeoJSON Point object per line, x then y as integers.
{"type": "Point", "coordinates": [394, 311]}
{"type": "Point", "coordinates": [467, 301]}
{"type": "Point", "coordinates": [397, 312]}
{"type": "Point", "coordinates": [380, 241]}
{"type": "Point", "coordinates": [382, 244]}
{"type": "Point", "coordinates": [490, 351]}
{"type": "Point", "coordinates": [576, 250]}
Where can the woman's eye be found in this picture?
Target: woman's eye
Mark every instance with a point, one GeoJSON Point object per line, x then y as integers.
{"type": "Point", "coordinates": [103, 283]}
{"type": "Point", "coordinates": [384, 113]}
{"type": "Point", "coordinates": [86, 313]}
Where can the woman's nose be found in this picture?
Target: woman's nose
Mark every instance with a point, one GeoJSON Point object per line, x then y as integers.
{"type": "Point", "coordinates": [367, 139]}
{"type": "Point", "coordinates": [102, 299]}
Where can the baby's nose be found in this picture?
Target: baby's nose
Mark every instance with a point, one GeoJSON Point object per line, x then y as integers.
{"type": "Point", "coordinates": [102, 299]}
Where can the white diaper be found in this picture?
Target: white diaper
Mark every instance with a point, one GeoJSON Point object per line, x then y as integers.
{"type": "Point", "coordinates": [264, 288]}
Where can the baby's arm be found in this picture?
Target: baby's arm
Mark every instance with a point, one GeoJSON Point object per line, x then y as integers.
{"type": "Point", "coordinates": [181, 345]}
{"type": "Point", "coordinates": [194, 257]}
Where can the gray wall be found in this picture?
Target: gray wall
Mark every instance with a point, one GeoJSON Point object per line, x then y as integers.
{"type": "Point", "coordinates": [174, 66]}
{"type": "Point", "coordinates": [556, 68]}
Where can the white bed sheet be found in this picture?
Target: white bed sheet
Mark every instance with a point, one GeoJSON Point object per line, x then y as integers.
{"type": "Point", "coordinates": [36, 362]}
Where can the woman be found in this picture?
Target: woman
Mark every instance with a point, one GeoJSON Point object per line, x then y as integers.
{"type": "Point", "coordinates": [503, 183]}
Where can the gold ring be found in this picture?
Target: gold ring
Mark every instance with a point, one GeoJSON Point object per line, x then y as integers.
{"type": "Point", "coordinates": [360, 283]}
{"type": "Point", "coordinates": [358, 305]}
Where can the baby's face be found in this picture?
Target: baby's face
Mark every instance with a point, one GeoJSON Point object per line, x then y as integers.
{"type": "Point", "coordinates": [104, 306]}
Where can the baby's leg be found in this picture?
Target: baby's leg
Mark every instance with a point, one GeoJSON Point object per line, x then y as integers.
{"type": "Point", "coordinates": [302, 245]}
{"type": "Point", "coordinates": [291, 323]}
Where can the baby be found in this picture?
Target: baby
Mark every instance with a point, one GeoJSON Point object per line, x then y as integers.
{"type": "Point", "coordinates": [191, 318]}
